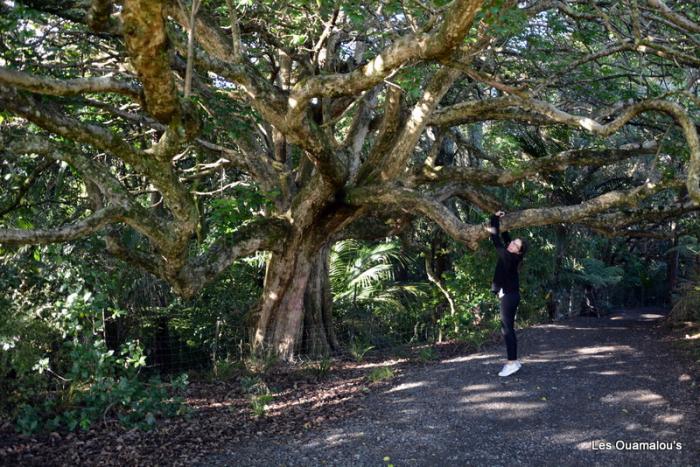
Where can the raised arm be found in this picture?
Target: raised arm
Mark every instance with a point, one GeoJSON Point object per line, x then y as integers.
{"type": "Point", "coordinates": [495, 231]}
{"type": "Point", "coordinates": [496, 237]}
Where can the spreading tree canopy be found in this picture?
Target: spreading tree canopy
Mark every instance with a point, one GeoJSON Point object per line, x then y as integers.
{"type": "Point", "coordinates": [187, 135]}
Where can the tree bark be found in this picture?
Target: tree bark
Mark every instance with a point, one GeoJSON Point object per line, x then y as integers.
{"type": "Point", "coordinates": [672, 265]}
{"type": "Point", "coordinates": [318, 335]}
{"type": "Point", "coordinates": [279, 314]}
{"type": "Point", "coordinates": [294, 312]}
{"type": "Point", "coordinates": [557, 294]}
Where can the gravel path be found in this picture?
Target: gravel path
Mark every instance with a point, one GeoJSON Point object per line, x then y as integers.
{"type": "Point", "coordinates": [584, 382]}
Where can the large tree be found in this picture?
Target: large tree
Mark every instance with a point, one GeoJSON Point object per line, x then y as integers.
{"type": "Point", "coordinates": [347, 117]}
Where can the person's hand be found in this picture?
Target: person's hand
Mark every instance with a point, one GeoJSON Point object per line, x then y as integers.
{"type": "Point", "coordinates": [500, 213]}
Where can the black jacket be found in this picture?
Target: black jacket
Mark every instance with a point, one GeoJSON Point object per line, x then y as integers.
{"type": "Point", "coordinates": [506, 275]}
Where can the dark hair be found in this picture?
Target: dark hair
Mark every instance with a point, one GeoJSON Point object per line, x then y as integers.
{"type": "Point", "coordinates": [524, 245]}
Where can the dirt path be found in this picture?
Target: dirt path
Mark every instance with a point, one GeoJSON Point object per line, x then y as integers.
{"type": "Point", "coordinates": [584, 382]}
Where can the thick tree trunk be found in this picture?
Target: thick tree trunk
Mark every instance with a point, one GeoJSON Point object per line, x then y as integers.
{"type": "Point", "coordinates": [279, 315]}
{"type": "Point", "coordinates": [318, 336]}
{"type": "Point", "coordinates": [672, 266]}
{"type": "Point", "coordinates": [294, 312]}
{"type": "Point", "coordinates": [558, 296]}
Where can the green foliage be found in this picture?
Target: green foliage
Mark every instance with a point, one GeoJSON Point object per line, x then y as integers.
{"type": "Point", "coordinates": [469, 285]}
{"type": "Point", "coordinates": [475, 337]}
{"type": "Point", "coordinates": [100, 385]}
{"type": "Point", "coordinates": [594, 272]}
{"type": "Point", "coordinates": [359, 349]}
{"type": "Point", "coordinates": [687, 304]}
{"type": "Point", "coordinates": [688, 246]}
{"type": "Point", "coordinates": [243, 203]}
{"type": "Point", "coordinates": [380, 373]}
{"type": "Point", "coordinates": [260, 361]}
{"type": "Point", "coordinates": [366, 294]}
{"type": "Point", "coordinates": [323, 367]}
{"type": "Point", "coordinates": [253, 384]}
{"type": "Point", "coordinates": [258, 393]}
{"type": "Point", "coordinates": [83, 336]}
{"type": "Point", "coordinates": [224, 369]}
{"type": "Point", "coordinates": [427, 354]}
{"type": "Point", "coordinates": [57, 370]}
{"type": "Point", "coordinates": [258, 404]}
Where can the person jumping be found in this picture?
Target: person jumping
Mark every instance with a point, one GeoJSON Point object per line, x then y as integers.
{"type": "Point", "coordinates": [506, 284]}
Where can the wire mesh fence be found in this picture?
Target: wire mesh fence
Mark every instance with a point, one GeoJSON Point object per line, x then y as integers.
{"type": "Point", "coordinates": [171, 348]}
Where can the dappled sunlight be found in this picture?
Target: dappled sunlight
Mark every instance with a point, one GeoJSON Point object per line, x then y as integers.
{"type": "Point", "coordinates": [506, 409]}
{"type": "Point", "coordinates": [336, 439]}
{"type": "Point", "coordinates": [578, 354]}
{"type": "Point", "coordinates": [572, 436]}
{"type": "Point", "coordinates": [487, 396]}
{"type": "Point", "coordinates": [341, 438]}
{"type": "Point", "coordinates": [375, 66]}
{"type": "Point", "coordinates": [588, 123]}
{"type": "Point", "coordinates": [566, 327]}
{"type": "Point", "coordinates": [603, 348]}
{"type": "Point", "coordinates": [207, 404]}
{"type": "Point", "coordinates": [276, 409]}
{"type": "Point", "coordinates": [671, 419]}
{"type": "Point", "coordinates": [342, 393]}
{"type": "Point", "coordinates": [404, 386]}
{"type": "Point", "coordinates": [478, 387]}
{"type": "Point", "coordinates": [643, 396]}
{"type": "Point", "coordinates": [404, 400]}
{"type": "Point", "coordinates": [651, 316]}
{"type": "Point", "coordinates": [384, 363]}
{"type": "Point", "coordinates": [468, 358]}
{"type": "Point", "coordinates": [543, 359]}
{"type": "Point", "coordinates": [514, 404]}
{"type": "Point", "coordinates": [640, 317]}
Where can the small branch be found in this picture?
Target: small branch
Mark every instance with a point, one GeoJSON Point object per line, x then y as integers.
{"type": "Point", "coordinates": [260, 234]}
{"type": "Point", "coordinates": [676, 18]}
{"type": "Point", "coordinates": [556, 163]}
{"type": "Point", "coordinates": [65, 233]}
{"type": "Point", "coordinates": [26, 185]}
{"type": "Point", "coordinates": [457, 22]}
{"type": "Point", "coordinates": [235, 32]}
{"type": "Point", "coordinates": [190, 45]}
{"type": "Point", "coordinates": [68, 87]}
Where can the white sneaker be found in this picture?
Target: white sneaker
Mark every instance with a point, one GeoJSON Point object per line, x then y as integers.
{"type": "Point", "coordinates": [510, 368]}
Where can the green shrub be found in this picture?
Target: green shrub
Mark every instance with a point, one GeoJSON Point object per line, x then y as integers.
{"type": "Point", "coordinates": [258, 404]}
{"type": "Point", "coordinates": [253, 385]}
{"type": "Point", "coordinates": [260, 361]}
{"type": "Point", "coordinates": [323, 367]}
{"type": "Point", "coordinates": [358, 349]}
{"type": "Point", "coordinates": [102, 386]}
{"type": "Point", "coordinates": [380, 373]}
{"type": "Point", "coordinates": [224, 369]}
{"type": "Point", "coordinates": [427, 354]}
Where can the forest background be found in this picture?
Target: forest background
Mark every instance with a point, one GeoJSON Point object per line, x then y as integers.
{"type": "Point", "coordinates": [204, 187]}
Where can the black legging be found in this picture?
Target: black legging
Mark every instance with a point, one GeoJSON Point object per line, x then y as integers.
{"type": "Point", "coordinates": [509, 306]}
